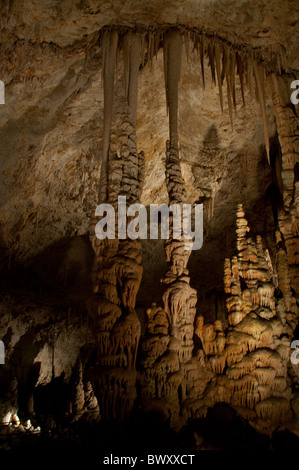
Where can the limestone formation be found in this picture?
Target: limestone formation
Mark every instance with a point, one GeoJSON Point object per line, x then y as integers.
{"type": "Point", "coordinates": [168, 348]}
{"type": "Point", "coordinates": [117, 267]}
{"type": "Point", "coordinates": [84, 123]}
{"type": "Point", "coordinates": [244, 363]}
{"type": "Point", "coordinates": [288, 128]}
{"type": "Point", "coordinates": [77, 402]}
{"type": "Point", "coordinates": [251, 357]}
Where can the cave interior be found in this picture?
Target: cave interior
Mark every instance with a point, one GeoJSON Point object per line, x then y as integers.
{"type": "Point", "coordinates": [132, 339]}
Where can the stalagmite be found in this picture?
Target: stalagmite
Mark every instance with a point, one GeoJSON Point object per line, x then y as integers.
{"type": "Point", "coordinates": [255, 346]}
{"type": "Point", "coordinates": [78, 391]}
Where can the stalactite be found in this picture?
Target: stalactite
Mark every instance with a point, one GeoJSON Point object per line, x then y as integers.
{"type": "Point", "coordinates": [151, 45]}
{"type": "Point", "coordinates": [218, 70]}
{"type": "Point", "coordinates": [132, 56]}
{"type": "Point", "coordinates": [187, 44]}
{"type": "Point", "coordinates": [109, 51]}
{"type": "Point", "coordinates": [172, 48]}
{"type": "Point", "coordinates": [261, 99]}
{"type": "Point", "coordinates": [250, 76]}
{"type": "Point", "coordinates": [247, 64]}
{"type": "Point", "coordinates": [142, 49]}
{"type": "Point", "coordinates": [228, 87]}
{"type": "Point", "coordinates": [127, 56]}
{"type": "Point", "coordinates": [157, 42]}
{"type": "Point", "coordinates": [240, 72]}
{"type": "Point", "coordinates": [201, 50]}
{"type": "Point", "coordinates": [233, 84]}
{"type": "Point", "coordinates": [211, 55]}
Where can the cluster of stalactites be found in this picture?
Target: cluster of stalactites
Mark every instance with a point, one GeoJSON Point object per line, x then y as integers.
{"type": "Point", "coordinates": [226, 62]}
